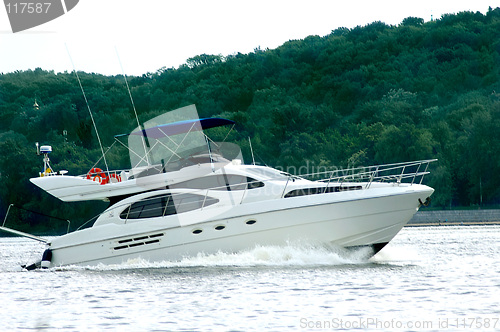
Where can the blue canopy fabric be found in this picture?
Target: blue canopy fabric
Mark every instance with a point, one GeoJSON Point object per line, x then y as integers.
{"type": "Point", "coordinates": [180, 127]}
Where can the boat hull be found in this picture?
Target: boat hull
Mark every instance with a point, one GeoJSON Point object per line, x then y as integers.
{"type": "Point", "coordinates": [361, 218]}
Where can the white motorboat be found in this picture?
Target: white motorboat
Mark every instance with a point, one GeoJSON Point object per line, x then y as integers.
{"type": "Point", "coordinates": [186, 194]}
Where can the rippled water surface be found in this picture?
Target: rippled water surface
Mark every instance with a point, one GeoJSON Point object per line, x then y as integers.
{"type": "Point", "coordinates": [427, 278]}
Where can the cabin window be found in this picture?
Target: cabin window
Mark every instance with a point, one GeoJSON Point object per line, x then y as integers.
{"type": "Point", "coordinates": [253, 184]}
{"type": "Point", "coordinates": [320, 190]}
{"type": "Point", "coordinates": [227, 182]}
{"type": "Point", "coordinates": [165, 205]}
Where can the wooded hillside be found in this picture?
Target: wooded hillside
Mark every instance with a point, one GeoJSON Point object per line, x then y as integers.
{"type": "Point", "coordinates": [368, 95]}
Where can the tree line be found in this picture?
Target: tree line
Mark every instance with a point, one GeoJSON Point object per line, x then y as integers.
{"type": "Point", "coordinates": [372, 94]}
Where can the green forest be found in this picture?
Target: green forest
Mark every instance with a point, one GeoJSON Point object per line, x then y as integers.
{"type": "Point", "coordinates": [368, 95]}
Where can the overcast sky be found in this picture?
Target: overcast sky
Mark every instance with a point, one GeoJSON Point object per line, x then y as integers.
{"type": "Point", "coordinates": [151, 34]}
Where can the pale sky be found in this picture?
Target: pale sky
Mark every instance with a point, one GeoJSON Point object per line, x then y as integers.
{"type": "Point", "coordinates": [151, 34]}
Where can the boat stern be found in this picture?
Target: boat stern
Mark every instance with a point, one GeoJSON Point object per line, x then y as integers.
{"type": "Point", "coordinates": [66, 188]}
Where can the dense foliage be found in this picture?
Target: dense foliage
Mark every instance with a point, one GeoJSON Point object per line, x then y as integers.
{"type": "Point", "coordinates": [367, 95]}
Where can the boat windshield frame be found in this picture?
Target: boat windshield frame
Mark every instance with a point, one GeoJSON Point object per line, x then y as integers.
{"type": "Point", "coordinates": [269, 173]}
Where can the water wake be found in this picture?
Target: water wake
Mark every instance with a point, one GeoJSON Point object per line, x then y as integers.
{"type": "Point", "coordinates": [289, 255]}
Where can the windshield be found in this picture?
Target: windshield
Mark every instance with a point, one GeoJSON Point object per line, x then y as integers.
{"type": "Point", "coordinates": [268, 173]}
{"type": "Point", "coordinates": [147, 149]}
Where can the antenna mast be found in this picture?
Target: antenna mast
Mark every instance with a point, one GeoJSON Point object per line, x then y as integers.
{"type": "Point", "coordinates": [88, 107]}
{"type": "Point", "coordinates": [133, 106]}
{"type": "Point", "coordinates": [251, 150]}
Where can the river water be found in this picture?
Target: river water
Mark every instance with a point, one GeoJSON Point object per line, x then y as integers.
{"type": "Point", "coordinates": [427, 278]}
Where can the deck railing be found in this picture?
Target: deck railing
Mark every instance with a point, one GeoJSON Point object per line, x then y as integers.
{"type": "Point", "coordinates": [407, 172]}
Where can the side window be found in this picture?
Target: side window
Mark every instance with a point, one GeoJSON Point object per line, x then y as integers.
{"type": "Point", "coordinates": [253, 184]}
{"type": "Point", "coordinates": [221, 182]}
{"type": "Point", "coordinates": [320, 190]}
{"type": "Point", "coordinates": [166, 205]}
{"type": "Point", "coordinates": [190, 202]}
{"type": "Point", "coordinates": [149, 208]}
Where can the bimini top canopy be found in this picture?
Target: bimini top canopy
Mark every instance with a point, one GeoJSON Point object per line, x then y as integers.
{"type": "Point", "coordinates": [180, 127]}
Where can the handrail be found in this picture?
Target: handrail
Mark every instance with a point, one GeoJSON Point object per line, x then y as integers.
{"type": "Point", "coordinates": [372, 177]}
{"type": "Point", "coordinates": [417, 172]}
{"type": "Point", "coordinates": [396, 173]}
{"type": "Point", "coordinates": [328, 183]}
{"type": "Point", "coordinates": [369, 173]}
{"type": "Point", "coordinates": [284, 188]}
{"type": "Point", "coordinates": [399, 171]}
{"type": "Point", "coordinates": [7, 214]}
{"type": "Point", "coordinates": [426, 166]}
{"type": "Point", "coordinates": [38, 213]}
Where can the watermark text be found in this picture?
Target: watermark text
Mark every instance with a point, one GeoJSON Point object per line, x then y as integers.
{"type": "Point", "coordinates": [469, 323]}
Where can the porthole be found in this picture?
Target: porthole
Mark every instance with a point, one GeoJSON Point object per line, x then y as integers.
{"type": "Point", "coordinates": [251, 222]}
{"type": "Point", "coordinates": [197, 231]}
{"type": "Point", "coordinates": [220, 227]}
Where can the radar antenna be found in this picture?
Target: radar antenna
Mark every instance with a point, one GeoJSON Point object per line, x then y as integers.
{"type": "Point", "coordinates": [45, 150]}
